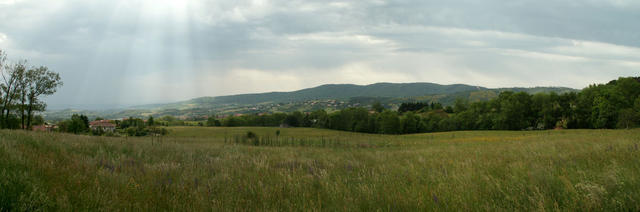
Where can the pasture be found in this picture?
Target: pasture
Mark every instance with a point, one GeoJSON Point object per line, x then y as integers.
{"type": "Point", "coordinates": [220, 169]}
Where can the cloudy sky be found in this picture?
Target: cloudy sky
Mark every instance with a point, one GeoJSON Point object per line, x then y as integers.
{"type": "Point", "coordinates": [128, 52]}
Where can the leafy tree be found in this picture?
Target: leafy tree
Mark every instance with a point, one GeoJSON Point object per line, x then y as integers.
{"type": "Point", "coordinates": [460, 105]}
{"type": "Point", "coordinates": [628, 89]}
{"type": "Point", "coordinates": [77, 124]}
{"type": "Point", "coordinates": [628, 118]}
{"type": "Point", "coordinates": [306, 120]}
{"type": "Point", "coordinates": [603, 114]}
{"type": "Point", "coordinates": [294, 119]}
{"type": "Point", "coordinates": [132, 122]}
{"type": "Point", "coordinates": [411, 123]}
{"type": "Point", "coordinates": [515, 111]}
{"type": "Point", "coordinates": [377, 106]}
{"type": "Point", "coordinates": [233, 121]}
{"type": "Point", "coordinates": [11, 77]}
{"type": "Point", "coordinates": [38, 120]}
{"type": "Point", "coordinates": [150, 121]}
{"type": "Point", "coordinates": [448, 109]}
{"type": "Point", "coordinates": [21, 90]}
{"type": "Point", "coordinates": [41, 82]}
{"type": "Point", "coordinates": [447, 124]}
{"type": "Point", "coordinates": [213, 122]}
{"type": "Point", "coordinates": [436, 106]}
{"type": "Point", "coordinates": [319, 118]}
{"type": "Point", "coordinates": [389, 122]}
{"type": "Point", "coordinates": [405, 107]}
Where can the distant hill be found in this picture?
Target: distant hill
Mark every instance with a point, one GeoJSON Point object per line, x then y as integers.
{"type": "Point", "coordinates": [329, 97]}
{"type": "Point", "coordinates": [342, 92]}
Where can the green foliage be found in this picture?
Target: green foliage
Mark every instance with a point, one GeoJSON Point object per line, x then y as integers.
{"type": "Point", "coordinates": [10, 122]}
{"type": "Point", "coordinates": [21, 91]}
{"type": "Point", "coordinates": [251, 135]}
{"type": "Point", "coordinates": [329, 98]}
{"type": "Point", "coordinates": [150, 121]}
{"type": "Point", "coordinates": [377, 107]}
{"type": "Point", "coordinates": [132, 122]}
{"type": "Point", "coordinates": [213, 122]}
{"type": "Point", "coordinates": [38, 120]}
{"type": "Point", "coordinates": [77, 124]}
{"type": "Point", "coordinates": [389, 122]}
{"type": "Point", "coordinates": [233, 121]}
{"type": "Point", "coordinates": [294, 119]}
{"type": "Point", "coordinates": [612, 105]}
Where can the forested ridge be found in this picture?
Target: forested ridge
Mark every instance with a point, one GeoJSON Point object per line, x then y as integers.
{"type": "Point", "coordinates": [600, 106]}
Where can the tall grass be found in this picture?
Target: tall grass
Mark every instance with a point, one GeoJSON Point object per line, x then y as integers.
{"type": "Point", "coordinates": [196, 169]}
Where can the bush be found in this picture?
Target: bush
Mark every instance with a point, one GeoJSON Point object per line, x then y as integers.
{"type": "Point", "coordinates": [251, 135]}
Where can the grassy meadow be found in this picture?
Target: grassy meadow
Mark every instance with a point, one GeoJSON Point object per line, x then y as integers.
{"type": "Point", "coordinates": [219, 169]}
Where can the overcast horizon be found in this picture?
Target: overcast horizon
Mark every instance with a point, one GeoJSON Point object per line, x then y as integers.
{"type": "Point", "coordinates": [136, 52]}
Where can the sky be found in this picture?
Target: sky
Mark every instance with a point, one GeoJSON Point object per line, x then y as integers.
{"type": "Point", "coordinates": [113, 53]}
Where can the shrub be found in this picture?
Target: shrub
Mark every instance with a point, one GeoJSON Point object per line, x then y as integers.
{"type": "Point", "coordinates": [251, 135]}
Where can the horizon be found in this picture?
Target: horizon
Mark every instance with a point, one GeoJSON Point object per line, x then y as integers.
{"type": "Point", "coordinates": [107, 107]}
{"type": "Point", "coordinates": [128, 53]}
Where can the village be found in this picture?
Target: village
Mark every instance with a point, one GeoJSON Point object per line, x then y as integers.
{"type": "Point", "coordinates": [79, 124]}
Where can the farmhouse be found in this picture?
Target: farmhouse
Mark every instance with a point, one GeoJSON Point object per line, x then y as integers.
{"type": "Point", "coordinates": [105, 125]}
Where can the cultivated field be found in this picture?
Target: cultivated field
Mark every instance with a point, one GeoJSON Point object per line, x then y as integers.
{"type": "Point", "coordinates": [219, 169]}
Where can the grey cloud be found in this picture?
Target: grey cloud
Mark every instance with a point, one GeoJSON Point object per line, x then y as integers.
{"type": "Point", "coordinates": [128, 51]}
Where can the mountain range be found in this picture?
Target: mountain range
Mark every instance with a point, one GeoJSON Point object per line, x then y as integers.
{"type": "Point", "coordinates": [329, 97]}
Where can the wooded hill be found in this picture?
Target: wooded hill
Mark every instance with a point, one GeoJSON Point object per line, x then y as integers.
{"type": "Point", "coordinates": [329, 97]}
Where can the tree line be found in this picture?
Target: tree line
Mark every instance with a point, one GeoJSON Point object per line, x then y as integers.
{"type": "Point", "coordinates": [22, 88]}
{"type": "Point", "coordinates": [603, 106]}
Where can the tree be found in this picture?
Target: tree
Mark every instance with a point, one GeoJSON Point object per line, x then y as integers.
{"type": "Point", "coordinates": [629, 90]}
{"type": "Point", "coordinates": [233, 121]}
{"type": "Point", "coordinates": [411, 123]}
{"type": "Point", "coordinates": [42, 82]}
{"type": "Point", "coordinates": [3, 66]}
{"type": "Point", "coordinates": [448, 109]}
{"type": "Point", "coordinates": [10, 78]}
{"type": "Point", "coordinates": [22, 90]}
{"type": "Point", "coordinates": [628, 118]}
{"type": "Point", "coordinates": [77, 124]}
{"type": "Point", "coordinates": [389, 122]}
{"type": "Point", "coordinates": [377, 107]}
{"type": "Point", "coordinates": [405, 107]}
{"type": "Point", "coordinates": [213, 122]}
{"type": "Point", "coordinates": [132, 122]}
{"type": "Point", "coordinates": [460, 105]}
{"type": "Point", "coordinates": [38, 120]}
{"type": "Point", "coordinates": [294, 119]}
{"type": "Point", "coordinates": [515, 111]}
{"type": "Point", "coordinates": [603, 114]}
{"type": "Point", "coordinates": [150, 121]}
{"type": "Point", "coordinates": [319, 118]}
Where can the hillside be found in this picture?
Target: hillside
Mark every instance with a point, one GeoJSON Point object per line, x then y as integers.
{"type": "Point", "coordinates": [328, 97]}
{"type": "Point", "coordinates": [346, 91]}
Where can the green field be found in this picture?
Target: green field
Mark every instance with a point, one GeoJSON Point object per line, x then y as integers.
{"type": "Point", "coordinates": [217, 169]}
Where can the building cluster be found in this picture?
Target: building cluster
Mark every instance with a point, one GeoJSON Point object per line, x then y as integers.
{"type": "Point", "coordinates": [104, 125]}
